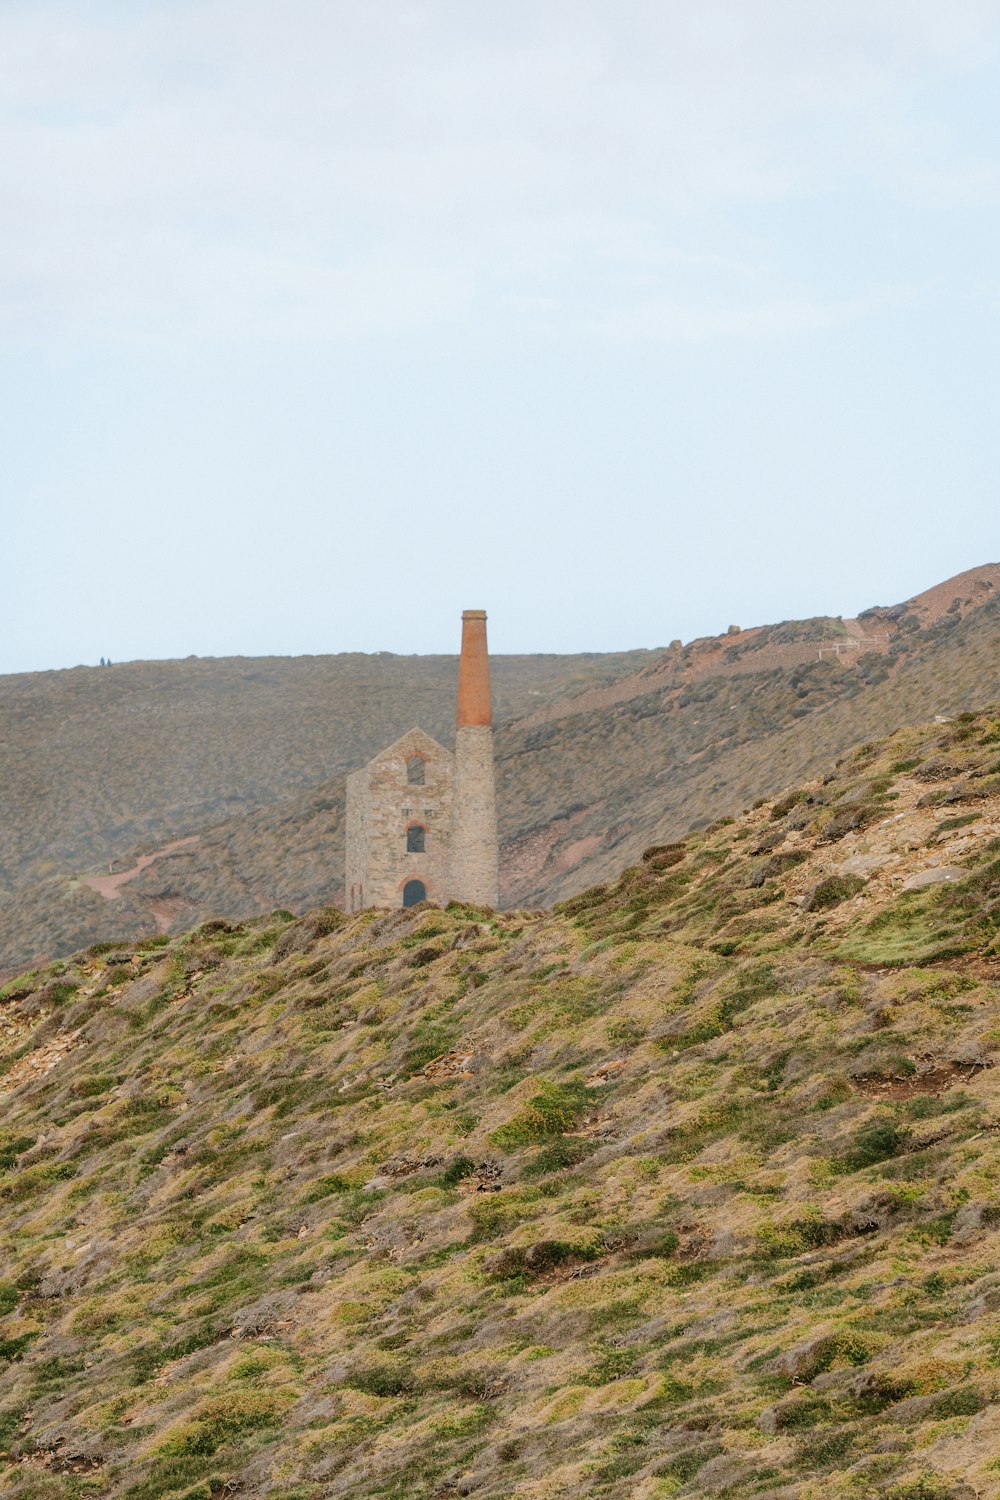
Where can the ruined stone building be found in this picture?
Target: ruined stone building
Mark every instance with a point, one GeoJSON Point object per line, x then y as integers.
{"type": "Point", "coordinates": [421, 820]}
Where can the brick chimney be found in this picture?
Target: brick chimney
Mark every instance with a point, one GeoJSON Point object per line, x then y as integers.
{"type": "Point", "coordinates": [474, 851]}
{"type": "Point", "coordinates": [474, 703]}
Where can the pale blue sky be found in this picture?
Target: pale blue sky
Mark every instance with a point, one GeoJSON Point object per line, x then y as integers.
{"type": "Point", "coordinates": [623, 319]}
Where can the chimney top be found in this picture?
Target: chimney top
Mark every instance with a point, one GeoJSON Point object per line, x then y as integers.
{"type": "Point", "coordinates": [474, 702]}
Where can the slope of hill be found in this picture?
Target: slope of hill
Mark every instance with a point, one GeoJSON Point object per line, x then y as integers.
{"type": "Point", "coordinates": [101, 767]}
{"type": "Point", "coordinates": [878, 630]}
{"type": "Point", "coordinates": [96, 761]}
{"type": "Point", "coordinates": [705, 740]}
{"type": "Point", "coordinates": [585, 781]}
{"type": "Point", "coordinates": [689, 1187]}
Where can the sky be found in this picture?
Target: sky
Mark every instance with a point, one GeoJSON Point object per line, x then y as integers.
{"type": "Point", "coordinates": [625, 320]}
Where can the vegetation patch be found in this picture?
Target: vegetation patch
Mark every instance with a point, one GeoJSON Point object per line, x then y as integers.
{"type": "Point", "coordinates": [553, 1111]}
{"type": "Point", "coordinates": [742, 1242]}
{"type": "Point", "coordinates": [833, 890]}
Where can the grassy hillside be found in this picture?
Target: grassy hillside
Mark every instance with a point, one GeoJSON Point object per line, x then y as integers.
{"type": "Point", "coordinates": [686, 1188]}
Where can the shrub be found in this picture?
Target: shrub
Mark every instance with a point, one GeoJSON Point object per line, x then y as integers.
{"type": "Point", "coordinates": [13, 1348]}
{"type": "Point", "coordinates": [833, 890]}
{"type": "Point", "coordinates": [95, 1084]}
{"type": "Point", "coordinates": [27, 1182]}
{"type": "Point", "coordinates": [964, 1401]}
{"type": "Point", "coordinates": [851, 818]}
{"type": "Point", "coordinates": [658, 1243]}
{"type": "Point", "coordinates": [218, 1420]}
{"type": "Point", "coordinates": [430, 1041]}
{"type": "Point", "coordinates": [878, 1391]}
{"type": "Point", "coordinates": [585, 902]}
{"type": "Point", "coordinates": [613, 1363]}
{"type": "Point", "coordinates": [382, 1380]}
{"type": "Point", "coordinates": [560, 1154]}
{"type": "Point", "coordinates": [536, 1259]}
{"type": "Point", "coordinates": [324, 1187]}
{"type": "Point", "coordinates": [623, 1032]}
{"type": "Point", "coordinates": [149, 1358]}
{"type": "Point", "coordinates": [663, 856]}
{"type": "Point", "coordinates": [11, 1147]}
{"type": "Point", "coordinates": [877, 1141]}
{"type": "Point", "coordinates": [921, 1487]}
{"type": "Point", "coordinates": [458, 1168]}
{"type": "Point", "coordinates": [949, 823]}
{"type": "Point", "coordinates": [553, 1111]}
{"type": "Point", "coordinates": [783, 808]}
{"type": "Point", "coordinates": [685, 1465]}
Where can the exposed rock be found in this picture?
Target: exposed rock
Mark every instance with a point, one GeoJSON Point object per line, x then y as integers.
{"type": "Point", "coordinates": [936, 875]}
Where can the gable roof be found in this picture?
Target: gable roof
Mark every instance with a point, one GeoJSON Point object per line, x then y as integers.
{"type": "Point", "coordinates": [414, 742]}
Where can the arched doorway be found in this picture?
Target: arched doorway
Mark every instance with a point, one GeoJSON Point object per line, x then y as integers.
{"type": "Point", "coordinates": [414, 891]}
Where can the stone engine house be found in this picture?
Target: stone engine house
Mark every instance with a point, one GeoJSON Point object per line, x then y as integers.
{"type": "Point", "coordinates": [421, 819]}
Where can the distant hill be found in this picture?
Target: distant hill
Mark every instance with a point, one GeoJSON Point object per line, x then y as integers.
{"type": "Point", "coordinates": [686, 1188]}
{"type": "Point", "coordinates": [99, 766]}
{"type": "Point", "coordinates": [703, 730]}
{"type": "Point", "coordinates": [596, 757]}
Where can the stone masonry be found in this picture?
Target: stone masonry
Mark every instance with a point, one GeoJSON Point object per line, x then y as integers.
{"type": "Point", "coordinates": [474, 849]}
{"type": "Point", "coordinates": [421, 821]}
{"type": "Point", "coordinates": [383, 805]}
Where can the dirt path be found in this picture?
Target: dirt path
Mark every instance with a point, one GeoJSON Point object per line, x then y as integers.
{"type": "Point", "coordinates": [110, 886]}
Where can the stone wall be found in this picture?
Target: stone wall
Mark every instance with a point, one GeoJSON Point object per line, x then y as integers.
{"type": "Point", "coordinates": [474, 852]}
{"type": "Point", "coordinates": [356, 873]}
{"type": "Point", "coordinates": [381, 805]}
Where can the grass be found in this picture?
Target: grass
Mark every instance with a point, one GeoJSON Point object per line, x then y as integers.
{"type": "Point", "coordinates": [701, 1223]}
{"type": "Point", "coordinates": [553, 1111]}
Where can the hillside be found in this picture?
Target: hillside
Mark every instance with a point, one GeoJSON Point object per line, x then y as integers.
{"type": "Point", "coordinates": [596, 758]}
{"type": "Point", "coordinates": [706, 729]}
{"type": "Point", "coordinates": [102, 766]}
{"type": "Point", "coordinates": [686, 1188]}
{"type": "Point", "coordinates": [97, 761]}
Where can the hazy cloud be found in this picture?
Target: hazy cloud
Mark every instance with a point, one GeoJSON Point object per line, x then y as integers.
{"type": "Point", "coordinates": [317, 168]}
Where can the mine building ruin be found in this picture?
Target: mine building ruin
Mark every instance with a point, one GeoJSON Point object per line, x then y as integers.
{"type": "Point", "coordinates": [421, 819]}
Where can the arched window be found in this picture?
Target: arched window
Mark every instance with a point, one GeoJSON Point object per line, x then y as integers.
{"type": "Point", "coordinates": [416, 836]}
{"type": "Point", "coordinates": [414, 891]}
{"type": "Point", "coordinates": [415, 770]}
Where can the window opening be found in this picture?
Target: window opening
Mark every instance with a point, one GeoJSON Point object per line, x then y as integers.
{"type": "Point", "coordinates": [415, 838]}
{"type": "Point", "coordinates": [415, 770]}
